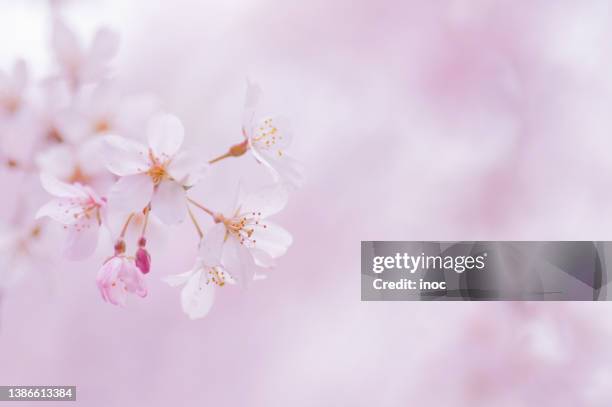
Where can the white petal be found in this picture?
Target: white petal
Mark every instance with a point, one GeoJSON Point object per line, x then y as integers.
{"type": "Point", "coordinates": [165, 135]}
{"type": "Point", "coordinates": [225, 275]}
{"type": "Point", "coordinates": [285, 169]}
{"type": "Point", "coordinates": [61, 210]}
{"type": "Point", "coordinates": [272, 239]}
{"type": "Point", "coordinates": [124, 156]}
{"type": "Point", "coordinates": [169, 203]}
{"type": "Point", "coordinates": [262, 258]}
{"type": "Point", "coordinates": [238, 261]}
{"type": "Point", "coordinates": [212, 245]}
{"type": "Point", "coordinates": [81, 242]}
{"type": "Point", "coordinates": [197, 297]}
{"type": "Point", "coordinates": [175, 280]}
{"type": "Point", "coordinates": [60, 189]}
{"type": "Point", "coordinates": [267, 201]}
{"type": "Point", "coordinates": [130, 194]}
{"type": "Point", "coordinates": [239, 198]}
{"type": "Point", "coordinates": [187, 169]}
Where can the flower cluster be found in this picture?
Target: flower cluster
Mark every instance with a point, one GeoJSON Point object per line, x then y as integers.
{"type": "Point", "coordinates": [109, 159]}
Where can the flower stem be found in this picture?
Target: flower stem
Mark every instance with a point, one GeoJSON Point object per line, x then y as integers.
{"type": "Point", "coordinates": [205, 209]}
{"type": "Point", "coordinates": [235, 151]}
{"type": "Point", "coordinates": [146, 220]}
{"type": "Point", "coordinates": [125, 226]}
{"type": "Point", "coordinates": [195, 223]}
{"type": "Point", "coordinates": [221, 157]}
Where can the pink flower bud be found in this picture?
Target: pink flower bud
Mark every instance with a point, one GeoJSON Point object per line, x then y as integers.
{"type": "Point", "coordinates": [143, 260]}
{"type": "Point", "coordinates": [117, 278]}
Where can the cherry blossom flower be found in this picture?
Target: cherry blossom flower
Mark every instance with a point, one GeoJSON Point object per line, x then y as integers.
{"type": "Point", "coordinates": [75, 163]}
{"type": "Point", "coordinates": [82, 134]}
{"type": "Point", "coordinates": [79, 209]}
{"type": "Point", "coordinates": [199, 283]}
{"type": "Point", "coordinates": [157, 174]}
{"type": "Point", "coordinates": [77, 130]}
{"type": "Point", "coordinates": [102, 109]}
{"type": "Point", "coordinates": [119, 277]}
{"type": "Point", "coordinates": [267, 138]}
{"type": "Point", "coordinates": [81, 65]}
{"type": "Point", "coordinates": [12, 89]}
{"type": "Point", "coordinates": [250, 238]}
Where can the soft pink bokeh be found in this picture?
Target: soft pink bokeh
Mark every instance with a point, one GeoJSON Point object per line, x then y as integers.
{"type": "Point", "coordinates": [445, 120]}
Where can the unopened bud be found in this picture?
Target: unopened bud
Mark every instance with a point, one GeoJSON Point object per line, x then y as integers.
{"type": "Point", "coordinates": [143, 260]}
{"type": "Point", "coordinates": [239, 149]}
{"type": "Point", "coordinates": [218, 218]}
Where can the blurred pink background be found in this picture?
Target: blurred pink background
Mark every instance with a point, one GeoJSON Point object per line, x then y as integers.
{"type": "Point", "coordinates": [445, 120]}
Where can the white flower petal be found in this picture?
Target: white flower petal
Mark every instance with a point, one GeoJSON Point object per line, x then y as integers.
{"type": "Point", "coordinates": [187, 169]}
{"type": "Point", "coordinates": [285, 169]}
{"type": "Point", "coordinates": [262, 258]}
{"type": "Point", "coordinates": [60, 189]}
{"type": "Point", "coordinates": [130, 194]}
{"type": "Point", "coordinates": [197, 297]}
{"type": "Point", "coordinates": [272, 239]}
{"type": "Point", "coordinates": [125, 156]}
{"type": "Point", "coordinates": [165, 135]}
{"type": "Point", "coordinates": [212, 245]}
{"type": "Point", "coordinates": [81, 242]}
{"type": "Point", "coordinates": [238, 261]}
{"type": "Point", "coordinates": [225, 275]}
{"type": "Point", "coordinates": [175, 280]}
{"type": "Point", "coordinates": [63, 211]}
{"type": "Point", "coordinates": [267, 201]}
{"type": "Point", "coordinates": [169, 203]}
